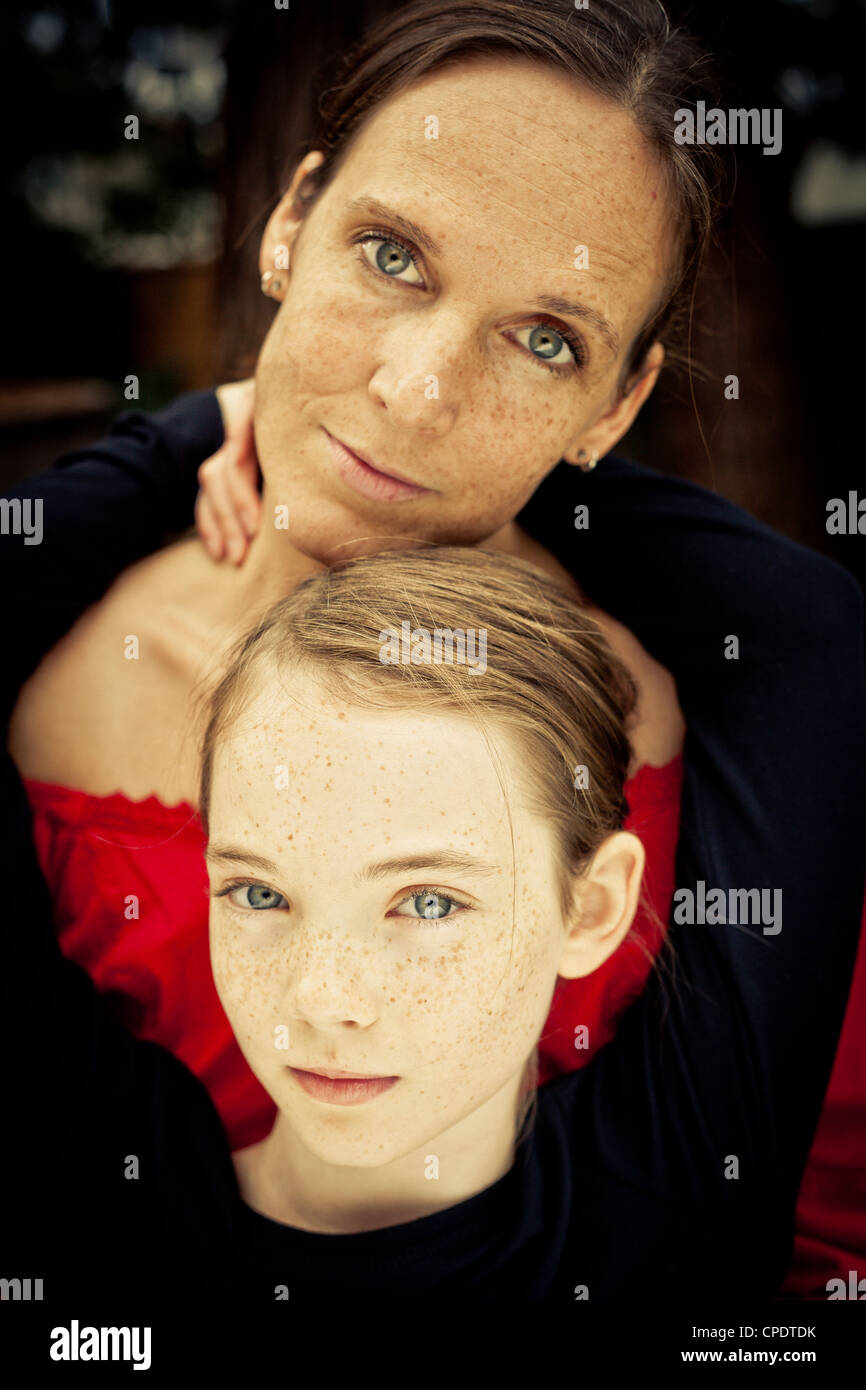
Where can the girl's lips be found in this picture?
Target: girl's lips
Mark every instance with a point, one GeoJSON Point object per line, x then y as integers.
{"type": "Point", "coordinates": [342, 1091]}
{"type": "Point", "coordinates": [361, 477]}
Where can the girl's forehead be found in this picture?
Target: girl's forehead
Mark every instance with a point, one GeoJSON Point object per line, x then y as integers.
{"type": "Point", "coordinates": [336, 751]}
{"type": "Point", "coordinates": [319, 727]}
{"type": "Point", "coordinates": [322, 783]}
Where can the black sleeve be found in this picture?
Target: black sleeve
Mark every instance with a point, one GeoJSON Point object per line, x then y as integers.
{"type": "Point", "coordinates": [99, 510]}
{"type": "Point", "coordinates": [728, 1053]}
{"type": "Point", "coordinates": [78, 1090]}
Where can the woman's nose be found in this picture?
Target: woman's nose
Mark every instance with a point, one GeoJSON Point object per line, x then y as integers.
{"type": "Point", "coordinates": [418, 377]}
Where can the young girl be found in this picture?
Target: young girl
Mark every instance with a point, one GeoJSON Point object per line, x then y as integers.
{"type": "Point", "coordinates": [403, 860]}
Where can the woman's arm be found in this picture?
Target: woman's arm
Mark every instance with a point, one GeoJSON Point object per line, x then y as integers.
{"type": "Point", "coordinates": [102, 508]}
{"type": "Point", "coordinates": [82, 1098]}
{"type": "Point", "coordinates": [764, 639]}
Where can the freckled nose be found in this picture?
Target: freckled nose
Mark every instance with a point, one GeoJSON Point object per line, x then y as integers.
{"type": "Point", "coordinates": [417, 381]}
{"type": "Point", "coordinates": [414, 401]}
{"type": "Point", "coordinates": [325, 992]}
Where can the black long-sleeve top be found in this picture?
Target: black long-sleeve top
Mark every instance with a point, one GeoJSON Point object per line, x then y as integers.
{"type": "Point", "coordinates": [666, 1168]}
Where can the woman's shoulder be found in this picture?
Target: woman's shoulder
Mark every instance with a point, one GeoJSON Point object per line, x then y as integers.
{"type": "Point", "coordinates": [102, 712]}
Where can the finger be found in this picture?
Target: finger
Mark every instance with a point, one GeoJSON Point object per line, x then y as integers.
{"type": "Point", "coordinates": [241, 482]}
{"type": "Point", "coordinates": [205, 525]}
{"type": "Point", "coordinates": [213, 476]}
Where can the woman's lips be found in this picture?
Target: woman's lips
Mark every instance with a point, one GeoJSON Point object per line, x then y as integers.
{"type": "Point", "coordinates": [342, 1090]}
{"type": "Point", "coordinates": [363, 478]}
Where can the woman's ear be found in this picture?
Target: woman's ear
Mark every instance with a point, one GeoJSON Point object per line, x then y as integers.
{"type": "Point", "coordinates": [285, 221]}
{"type": "Point", "coordinates": [605, 900]}
{"type": "Point", "coordinates": [608, 429]}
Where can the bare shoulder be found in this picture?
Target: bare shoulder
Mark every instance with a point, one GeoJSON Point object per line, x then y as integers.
{"type": "Point", "coordinates": [108, 708]}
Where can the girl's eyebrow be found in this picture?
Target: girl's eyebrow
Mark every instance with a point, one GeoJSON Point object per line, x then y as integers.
{"type": "Point", "coordinates": [408, 863]}
{"type": "Point", "coordinates": [433, 859]}
{"type": "Point", "coordinates": [236, 855]}
{"type": "Point", "coordinates": [569, 308]}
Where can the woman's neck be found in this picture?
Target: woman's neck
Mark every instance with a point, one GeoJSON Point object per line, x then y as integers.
{"type": "Point", "coordinates": [232, 597]}
{"type": "Point", "coordinates": [273, 566]}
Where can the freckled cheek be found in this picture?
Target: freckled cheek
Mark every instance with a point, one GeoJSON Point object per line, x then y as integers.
{"type": "Point", "coordinates": [516, 442]}
{"type": "Point", "coordinates": [327, 341]}
{"type": "Point", "coordinates": [248, 982]}
{"type": "Point", "coordinates": [490, 998]}
{"type": "Point", "coordinates": [525, 987]}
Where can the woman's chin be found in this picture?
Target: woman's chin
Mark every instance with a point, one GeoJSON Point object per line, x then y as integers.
{"type": "Point", "coordinates": [328, 532]}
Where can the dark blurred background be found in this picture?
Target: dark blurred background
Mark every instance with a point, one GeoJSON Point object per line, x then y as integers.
{"type": "Point", "coordinates": [139, 256]}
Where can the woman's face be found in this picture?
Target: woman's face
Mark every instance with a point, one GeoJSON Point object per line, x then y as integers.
{"type": "Point", "coordinates": [332, 830]}
{"type": "Point", "coordinates": [471, 350]}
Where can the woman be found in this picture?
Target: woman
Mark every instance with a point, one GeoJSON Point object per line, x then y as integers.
{"type": "Point", "coordinates": [399, 906]}
{"type": "Point", "coordinates": [445, 378]}
{"type": "Point", "coordinates": [514, 384]}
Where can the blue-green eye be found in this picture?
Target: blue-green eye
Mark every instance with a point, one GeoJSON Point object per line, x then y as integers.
{"type": "Point", "coordinates": [391, 258]}
{"type": "Point", "coordinates": [255, 896]}
{"type": "Point", "coordinates": [429, 905]}
{"type": "Point", "coordinates": [549, 346]}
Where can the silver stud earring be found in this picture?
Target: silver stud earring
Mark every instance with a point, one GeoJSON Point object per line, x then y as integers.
{"type": "Point", "coordinates": [272, 284]}
{"type": "Point", "coordinates": [586, 462]}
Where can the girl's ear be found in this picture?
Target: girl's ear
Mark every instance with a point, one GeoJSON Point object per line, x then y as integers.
{"type": "Point", "coordinates": [605, 900]}
{"type": "Point", "coordinates": [285, 221]}
{"type": "Point", "coordinates": [608, 429]}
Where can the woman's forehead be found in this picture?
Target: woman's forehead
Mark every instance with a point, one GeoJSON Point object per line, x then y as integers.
{"type": "Point", "coordinates": [519, 167]}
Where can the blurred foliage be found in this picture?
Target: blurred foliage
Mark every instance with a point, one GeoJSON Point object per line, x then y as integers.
{"type": "Point", "coordinates": [84, 203]}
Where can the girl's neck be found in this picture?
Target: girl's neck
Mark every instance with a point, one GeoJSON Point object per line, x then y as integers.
{"type": "Point", "coordinates": [283, 1180]}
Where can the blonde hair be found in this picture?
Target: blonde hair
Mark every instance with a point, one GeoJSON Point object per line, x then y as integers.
{"type": "Point", "coordinates": [550, 681]}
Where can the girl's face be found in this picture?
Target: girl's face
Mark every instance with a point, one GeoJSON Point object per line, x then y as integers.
{"type": "Point", "coordinates": [371, 913]}
{"type": "Point", "coordinates": [459, 308]}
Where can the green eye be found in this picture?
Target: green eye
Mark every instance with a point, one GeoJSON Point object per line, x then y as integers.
{"type": "Point", "coordinates": [255, 896]}
{"type": "Point", "coordinates": [390, 258]}
{"type": "Point", "coordinates": [429, 905]}
{"type": "Point", "coordinates": [549, 346]}
{"type": "Point", "coordinates": [545, 342]}
{"type": "Point", "coordinates": [432, 905]}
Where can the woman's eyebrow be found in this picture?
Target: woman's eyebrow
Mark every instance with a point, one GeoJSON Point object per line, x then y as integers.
{"type": "Point", "coordinates": [555, 304]}
{"type": "Point", "coordinates": [370, 207]}
{"type": "Point", "coordinates": [435, 859]}
{"type": "Point", "coordinates": [572, 309]}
